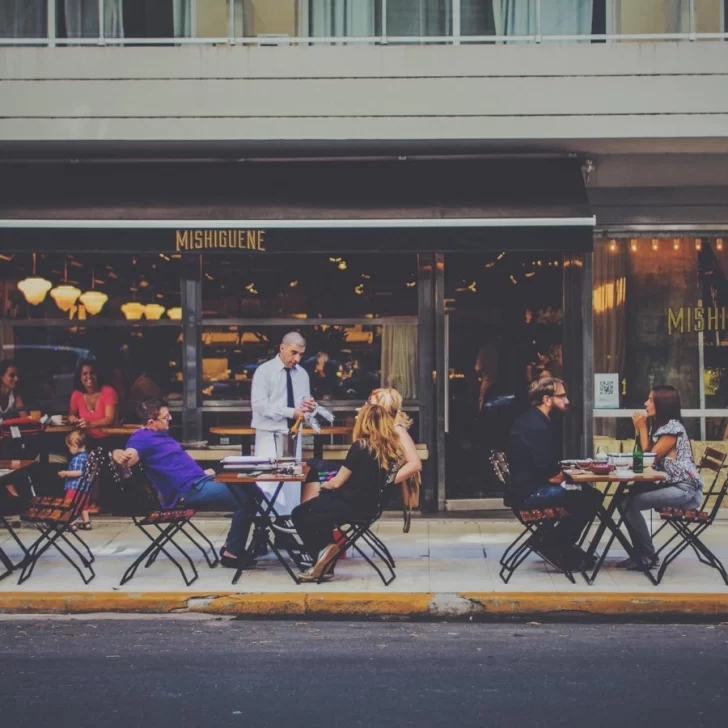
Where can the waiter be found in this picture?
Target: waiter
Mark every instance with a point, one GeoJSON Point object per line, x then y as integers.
{"type": "Point", "coordinates": [281, 394]}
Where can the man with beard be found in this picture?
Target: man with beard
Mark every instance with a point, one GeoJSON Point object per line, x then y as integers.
{"type": "Point", "coordinates": [538, 481]}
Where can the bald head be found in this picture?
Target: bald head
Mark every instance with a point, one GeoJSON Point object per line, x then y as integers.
{"type": "Point", "coordinates": [292, 348]}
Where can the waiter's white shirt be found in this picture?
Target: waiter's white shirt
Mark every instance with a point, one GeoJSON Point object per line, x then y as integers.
{"type": "Point", "coordinates": [269, 402]}
{"type": "Point", "coordinates": [269, 395]}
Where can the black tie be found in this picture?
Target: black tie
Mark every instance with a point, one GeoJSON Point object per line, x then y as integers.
{"type": "Point", "coordinates": [289, 393]}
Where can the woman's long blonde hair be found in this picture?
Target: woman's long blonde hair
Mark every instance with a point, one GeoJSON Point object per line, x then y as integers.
{"type": "Point", "coordinates": [391, 400]}
{"type": "Point", "coordinates": [374, 427]}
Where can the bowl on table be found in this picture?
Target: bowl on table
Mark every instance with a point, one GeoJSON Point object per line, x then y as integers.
{"type": "Point", "coordinates": [601, 468]}
{"type": "Point", "coordinates": [649, 459]}
{"type": "Point", "coordinates": [583, 464]}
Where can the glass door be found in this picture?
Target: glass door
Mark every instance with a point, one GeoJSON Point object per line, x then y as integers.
{"type": "Point", "coordinates": [503, 330]}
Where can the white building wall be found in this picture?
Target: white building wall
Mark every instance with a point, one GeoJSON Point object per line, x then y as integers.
{"type": "Point", "coordinates": [516, 93]}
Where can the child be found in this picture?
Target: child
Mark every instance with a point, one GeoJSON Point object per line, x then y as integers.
{"type": "Point", "coordinates": [76, 443]}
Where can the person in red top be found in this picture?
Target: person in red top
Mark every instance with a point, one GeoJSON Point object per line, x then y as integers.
{"type": "Point", "coordinates": [93, 404]}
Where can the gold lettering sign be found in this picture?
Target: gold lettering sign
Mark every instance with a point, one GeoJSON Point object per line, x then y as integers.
{"type": "Point", "coordinates": [687, 320]}
{"type": "Point", "coordinates": [199, 240]}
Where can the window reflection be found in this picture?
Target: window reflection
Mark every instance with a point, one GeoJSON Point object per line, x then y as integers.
{"type": "Point", "coordinates": [343, 362]}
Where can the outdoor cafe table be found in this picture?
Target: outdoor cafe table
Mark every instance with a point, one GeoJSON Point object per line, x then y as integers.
{"type": "Point", "coordinates": [624, 481]}
{"type": "Point", "coordinates": [318, 437]}
{"type": "Point", "coordinates": [9, 468]}
{"type": "Point", "coordinates": [264, 507]}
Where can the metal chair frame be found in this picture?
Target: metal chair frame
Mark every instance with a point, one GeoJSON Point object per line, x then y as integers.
{"type": "Point", "coordinates": [535, 523]}
{"type": "Point", "coordinates": [54, 518]}
{"type": "Point", "coordinates": [161, 526]}
{"type": "Point", "coordinates": [689, 527]}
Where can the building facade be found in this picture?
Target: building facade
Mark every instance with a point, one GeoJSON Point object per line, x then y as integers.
{"type": "Point", "coordinates": [448, 196]}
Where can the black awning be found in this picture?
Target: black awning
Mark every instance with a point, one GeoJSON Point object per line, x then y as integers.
{"type": "Point", "coordinates": [480, 198]}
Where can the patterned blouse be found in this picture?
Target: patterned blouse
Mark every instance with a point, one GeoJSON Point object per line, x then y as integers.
{"type": "Point", "coordinates": [680, 470]}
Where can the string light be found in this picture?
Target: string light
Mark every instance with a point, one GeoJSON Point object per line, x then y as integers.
{"type": "Point", "coordinates": [655, 244]}
{"type": "Point", "coordinates": [676, 243]}
{"type": "Point", "coordinates": [698, 244]}
{"type": "Point", "coordinates": [719, 243]}
{"type": "Point", "coordinates": [633, 245]}
{"type": "Point", "coordinates": [612, 246]}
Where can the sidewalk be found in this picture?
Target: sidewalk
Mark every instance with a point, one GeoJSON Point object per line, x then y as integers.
{"type": "Point", "coordinates": [441, 573]}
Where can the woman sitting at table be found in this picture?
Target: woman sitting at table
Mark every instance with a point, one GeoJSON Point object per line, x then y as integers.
{"type": "Point", "coordinates": [356, 490]}
{"type": "Point", "coordinates": [94, 404]}
{"type": "Point", "coordinates": [10, 398]}
{"type": "Point", "coordinates": [661, 431]}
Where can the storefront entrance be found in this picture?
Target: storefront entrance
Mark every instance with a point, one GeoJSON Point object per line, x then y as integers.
{"type": "Point", "coordinates": [503, 330]}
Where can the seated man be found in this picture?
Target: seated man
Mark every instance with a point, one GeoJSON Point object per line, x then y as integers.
{"type": "Point", "coordinates": [537, 478]}
{"type": "Point", "coordinates": [180, 481]}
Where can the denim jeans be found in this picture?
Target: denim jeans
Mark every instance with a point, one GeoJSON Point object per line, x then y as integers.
{"type": "Point", "coordinates": [581, 504]}
{"type": "Point", "coordinates": [208, 495]}
{"type": "Point", "coordinates": [647, 498]}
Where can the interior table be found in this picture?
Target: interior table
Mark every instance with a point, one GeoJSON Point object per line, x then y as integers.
{"type": "Point", "coordinates": [622, 481]}
{"type": "Point", "coordinates": [318, 437]}
{"type": "Point", "coordinates": [8, 469]}
{"type": "Point", "coordinates": [265, 511]}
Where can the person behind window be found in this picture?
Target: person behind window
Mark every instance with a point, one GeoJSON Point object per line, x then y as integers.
{"type": "Point", "coordinates": [662, 432]}
{"type": "Point", "coordinates": [10, 398]}
{"type": "Point", "coordinates": [94, 404]}
{"type": "Point", "coordinates": [180, 481]}
{"type": "Point", "coordinates": [538, 481]}
{"type": "Point", "coordinates": [355, 492]}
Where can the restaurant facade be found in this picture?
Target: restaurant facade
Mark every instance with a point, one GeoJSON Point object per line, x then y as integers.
{"type": "Point", "coordinates": [450, 212]}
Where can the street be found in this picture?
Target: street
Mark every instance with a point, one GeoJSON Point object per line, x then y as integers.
{"type": "Point", "coordinates": [188, 671]}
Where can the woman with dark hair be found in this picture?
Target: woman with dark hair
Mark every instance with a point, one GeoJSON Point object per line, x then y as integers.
{"type": "Point", "coordinates": [662, 432]}
{"type": "Point", "coordinates": [10, 399]}
{"type": "Point", "coordinates": [94, 404]}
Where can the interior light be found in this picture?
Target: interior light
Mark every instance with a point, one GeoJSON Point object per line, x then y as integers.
{"type": "Point", "coordinates": [65, 296]}
{"type": "Point", "coordinates": [35, 289]}
{"type": "Point", "coordinates": [93, 301]}
{"type": "Point", "coordinates": [154, 311]}
{"type": "Point", "coordinates": [133, 310]}
{"type": "Point", "coordinates": [175, 313]}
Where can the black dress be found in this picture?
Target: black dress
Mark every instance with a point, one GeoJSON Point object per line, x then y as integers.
{"type": "Point", "coordinates": [358, 498]}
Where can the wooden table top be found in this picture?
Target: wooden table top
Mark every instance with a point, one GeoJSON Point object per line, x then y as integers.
{"type": "Point", "coordinates": [240, 430]}
{"type": "Point", "coordinates": [15, 465]}
{"type": "Point", "coordinates": [115, 430]}
{"type": "Point", "coordinates": [616, 476]}
{"type": "Point", "coordinates": [233, 476]}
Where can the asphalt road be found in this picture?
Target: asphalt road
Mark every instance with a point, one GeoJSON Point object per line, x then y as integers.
{"type": "Point", "coordinates": [201, 672]}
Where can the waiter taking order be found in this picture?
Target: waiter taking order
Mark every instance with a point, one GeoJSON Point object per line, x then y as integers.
{"type": "Point", "coordinates": [281, 394]}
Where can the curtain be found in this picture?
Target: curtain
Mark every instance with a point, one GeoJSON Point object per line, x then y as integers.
{"type": "Point", "coordinates": [652, 16]}
{"type": "Point", "coordinates": [419, 17]}
{"type": "Point", "coordinates": [23, 18]}
{"type": "Point", "coordinates": [349, 18]}
{"type": "Point", "coordinates": [399, 358]}
{"type": "Point", "coordinates": [182, 18]}
{"type": "Point", "coordinates": [558, 17]}
{"type": "Point", "coordinates": [610, 319]}
{"type": "Point", "coordinates": [82, 18]}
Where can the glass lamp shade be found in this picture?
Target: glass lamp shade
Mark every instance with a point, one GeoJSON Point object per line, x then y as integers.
{"type": "Point", "coordinates": [34, 289]}
{"type": "Point", "coordinates": [133, 310]}
{"type": "Point", "coordinates": [175, 313]}
{"type": "Point", "coordinates": [93, 301]}
{"type": "Point", "coordinates": [154, 311]}
{"type": "Point", "coordinates": [65, 296]}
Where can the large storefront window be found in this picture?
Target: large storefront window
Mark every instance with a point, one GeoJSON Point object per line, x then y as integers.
{"type": "Point", "coordinates": [123, 311]}
{"type": "Point", "coordinates": [661, 317]}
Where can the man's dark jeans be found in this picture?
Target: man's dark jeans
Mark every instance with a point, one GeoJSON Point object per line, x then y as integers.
{"type": "Point", "coordinates": [581, 504]}
{"type": "Point", "coordinates": [208, 495]}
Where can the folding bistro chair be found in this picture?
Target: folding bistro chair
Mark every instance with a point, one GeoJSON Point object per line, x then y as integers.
{"type": "Point", "coordinates": [535, 523]}
{"type": "Point", "coordinates": [54, 518]}
{"type": "Point", "coordinates": [355, 530]}
{"type": "Point", "coordinates": [160, 525]}
{"type": "Point", "coordinates": [689, 527]}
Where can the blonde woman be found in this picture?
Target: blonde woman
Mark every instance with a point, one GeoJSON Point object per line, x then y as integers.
{"type": "Point", "coordinates": [356, 490]}
{"type": "Point", "coordinates": [391, 399]}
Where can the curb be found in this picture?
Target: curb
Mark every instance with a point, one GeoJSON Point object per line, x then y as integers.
{"type": "Point", "coordinates": [480, 606]}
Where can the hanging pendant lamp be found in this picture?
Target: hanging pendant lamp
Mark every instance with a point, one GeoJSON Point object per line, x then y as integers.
{"type": "Point", "coordinates": [93, 300]}
{"type": "Point", "coordinates": [175, 313]}
{"type": "Point", "coordinates": [133, 310]}
{"type": "Point", "coordinates": [65, 295]}
{"type": "Point", "coordinates": [154, 311]}
{"type": "Point", "coordinates": [35, 289]}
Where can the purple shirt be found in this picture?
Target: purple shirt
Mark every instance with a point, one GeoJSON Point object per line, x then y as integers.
{"type": "Point", "coordinates": [172, 471]}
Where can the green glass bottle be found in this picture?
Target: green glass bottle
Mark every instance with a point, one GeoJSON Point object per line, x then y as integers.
{"type": "Point", "coordinates": [638, 456]}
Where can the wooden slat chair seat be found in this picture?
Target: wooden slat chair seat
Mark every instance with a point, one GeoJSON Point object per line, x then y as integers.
{"type": "Point", "coordinates": [166, 516]}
